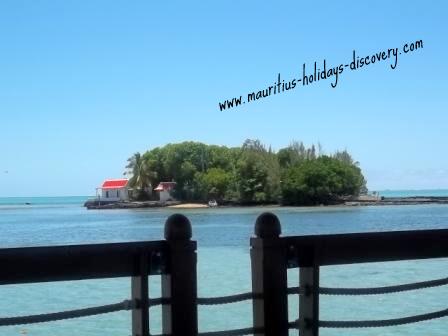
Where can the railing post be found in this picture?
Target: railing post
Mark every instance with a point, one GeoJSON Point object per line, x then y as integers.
{"type": "Point", "coordinates": [269, 277]}
{"type": "Point", "coordinates": [309, 301]}
{"type": "Point", "coordinates": [139, 289]}
{"type": "Point", "coordinates": [179, 285]}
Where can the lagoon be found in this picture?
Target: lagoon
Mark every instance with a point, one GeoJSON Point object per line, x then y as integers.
{"type": "Point", "coordinates": [223, 263]}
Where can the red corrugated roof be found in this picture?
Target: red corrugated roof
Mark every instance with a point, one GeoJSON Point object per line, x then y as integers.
{"type": "Point", "coordinates": [113, 184]}
{"type": "Point", "coordinates": [165, 186]}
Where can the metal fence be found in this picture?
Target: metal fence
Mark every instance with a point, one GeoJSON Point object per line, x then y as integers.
{"type": "Point", "coordinates": [174, 259]}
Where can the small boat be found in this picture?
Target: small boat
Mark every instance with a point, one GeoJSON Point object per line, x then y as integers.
{"type": "Point", "coordinates": [212, 203]}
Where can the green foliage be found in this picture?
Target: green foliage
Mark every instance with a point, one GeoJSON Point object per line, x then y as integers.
{"type": "Point", "coordinates": [320, 181]}
{"type": "Point", "coordinates": [141, 175]}
{"type": "Point", "coordinates": [213, 184]}
{"type": "Point", "coordinates": [258, 174]}
{"type": "Point", "coordinates": [295, 153]}
{"type": "Point", "coordinates": [250, 174]}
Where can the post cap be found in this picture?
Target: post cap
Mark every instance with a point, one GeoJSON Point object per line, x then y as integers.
{"type": "Point", "coordinates": [178, 227]}
{"type": "Point", "coordinates": [267, 226]}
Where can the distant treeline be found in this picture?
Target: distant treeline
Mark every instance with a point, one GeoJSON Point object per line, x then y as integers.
{"type": "Point", "coordinates": [250, 174]}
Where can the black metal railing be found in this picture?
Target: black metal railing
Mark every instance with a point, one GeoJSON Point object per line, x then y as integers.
{"type": "Point", "coordinates": [272, 255]}
{"type": "Point", "coordinates": [174, 259]}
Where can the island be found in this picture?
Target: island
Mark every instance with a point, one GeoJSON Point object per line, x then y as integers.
{"type": "Point", "coordinates": [194, 174]}
{"type": "Point", "coordinates": [252, 174]}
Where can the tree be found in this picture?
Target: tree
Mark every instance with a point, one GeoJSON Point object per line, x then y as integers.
{"type": "Point", "coordinates": [258, 173]}
{"type": "Point", "coordinates": [321, 181]}
{"type": "Point", "coordinates": [296, 152]}
{"type": "Point", "coordinates": [250, 173]}
{"type": "Point", "coordinates": [252, 178]}
{"type": "Point", "coordinates": [214, 184]}
{"type": "Point", "coordinates": [141, 175]}
{"type": "Point", "coordinates": [345, 156]}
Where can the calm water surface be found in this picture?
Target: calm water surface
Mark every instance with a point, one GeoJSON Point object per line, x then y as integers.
{"type": "Point", "coordinates": [223, 264]}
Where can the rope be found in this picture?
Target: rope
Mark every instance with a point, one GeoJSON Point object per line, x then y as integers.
{"type": "Point", "coordinates": [127, 305]}
{"type": "Point", "coordinates": [383, 290]}
{"type": "Point", "coordinates": [228, 299]}
{"type": "Point", "coordinates": [239, 297]}
{"type": "Point", "coordinates": [384, 323]}
{"type": "Point", "coordinates": [70, 314]}
{"type": "Point", "coordinates": [234, 332]}
{"type": "Point", "coordinates": [295, 290]}
{"type": "Point", "coordinates": [322, 290]}
{"type": "Point", "coordinates": [209, 301]}
{"type": "Point", "coordinates": [159, 301]}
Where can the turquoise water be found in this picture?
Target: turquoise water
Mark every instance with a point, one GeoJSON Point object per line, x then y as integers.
{"type": "Point", "coordinates": [409, 193]}
{"type": "Point", "coordinates": [223, 264]}
{"type": "Point", "coordinates": [42, 201]}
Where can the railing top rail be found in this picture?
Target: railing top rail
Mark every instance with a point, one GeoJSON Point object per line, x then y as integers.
{"type": "Point", "coordinates": [56, 248]}
{"type": "Point", "coordinates": [93, 261]}
{"type": "Point", "coordinates": [77, 262]}
{"type": "Point", "coordinates": [349, 248]}
{"type": "Point", "coordinates": [368, 247]}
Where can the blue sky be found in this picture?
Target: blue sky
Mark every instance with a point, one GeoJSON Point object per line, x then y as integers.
{"type": "Point", "coordinates": [85, 84]}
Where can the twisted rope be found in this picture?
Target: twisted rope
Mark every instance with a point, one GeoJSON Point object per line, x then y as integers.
{"type": "Point", "coordinates": [228, 299]}
{"type": "Point", "coordinates": [234, 332]}
{"type": "Point", "coordinates": [159, 301]}
{"type": "Point", "coordinates": [69, 314]}
{"type": "Point", "coordinates": [208, 301]}
{"type": "Point", "coordinates": [384, 323]}
{"type": "Point", "coordinates": [128, 304]}
{"type": "Point", "coordinates": [383, 290]}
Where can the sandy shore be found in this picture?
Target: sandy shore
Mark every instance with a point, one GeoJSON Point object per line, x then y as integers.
{"type": "Point", "coordinates": [188, 206]}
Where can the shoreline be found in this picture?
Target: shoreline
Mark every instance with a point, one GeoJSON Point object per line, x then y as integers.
{"type": "Point", "coordinates": [384, 201]}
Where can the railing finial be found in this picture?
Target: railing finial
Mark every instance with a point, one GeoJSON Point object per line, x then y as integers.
{"type": "Point", "coordinates": [178, 227]}
{"type": "Point", "coordinates": [267, 226]}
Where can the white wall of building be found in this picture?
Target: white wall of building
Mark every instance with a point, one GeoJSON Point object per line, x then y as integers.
{"type": "Point", "coordinates": [165, 195]}
{"type": "Point", "coordinates": [118, 194]}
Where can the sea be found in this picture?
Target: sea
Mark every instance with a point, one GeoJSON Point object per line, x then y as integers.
{"type": "Point", "coordinates": [223, 264]}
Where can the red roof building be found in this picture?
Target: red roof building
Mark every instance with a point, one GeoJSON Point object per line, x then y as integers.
{"type": "Point", "coordinates": [114, 190]}
{"type": "Point", "coordinates": [164, 189]}
{"type": "Point", "coordinates": [165, 186]}
{"type": "Point", "coordinates": [114, 184]}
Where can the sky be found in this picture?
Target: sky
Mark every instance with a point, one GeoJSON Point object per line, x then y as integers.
{"type": "Point", "coordinates": [85, 84]}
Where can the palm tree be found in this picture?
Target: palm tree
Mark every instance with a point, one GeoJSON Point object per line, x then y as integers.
{"type": "Point", "coordinates": [141, 175]}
